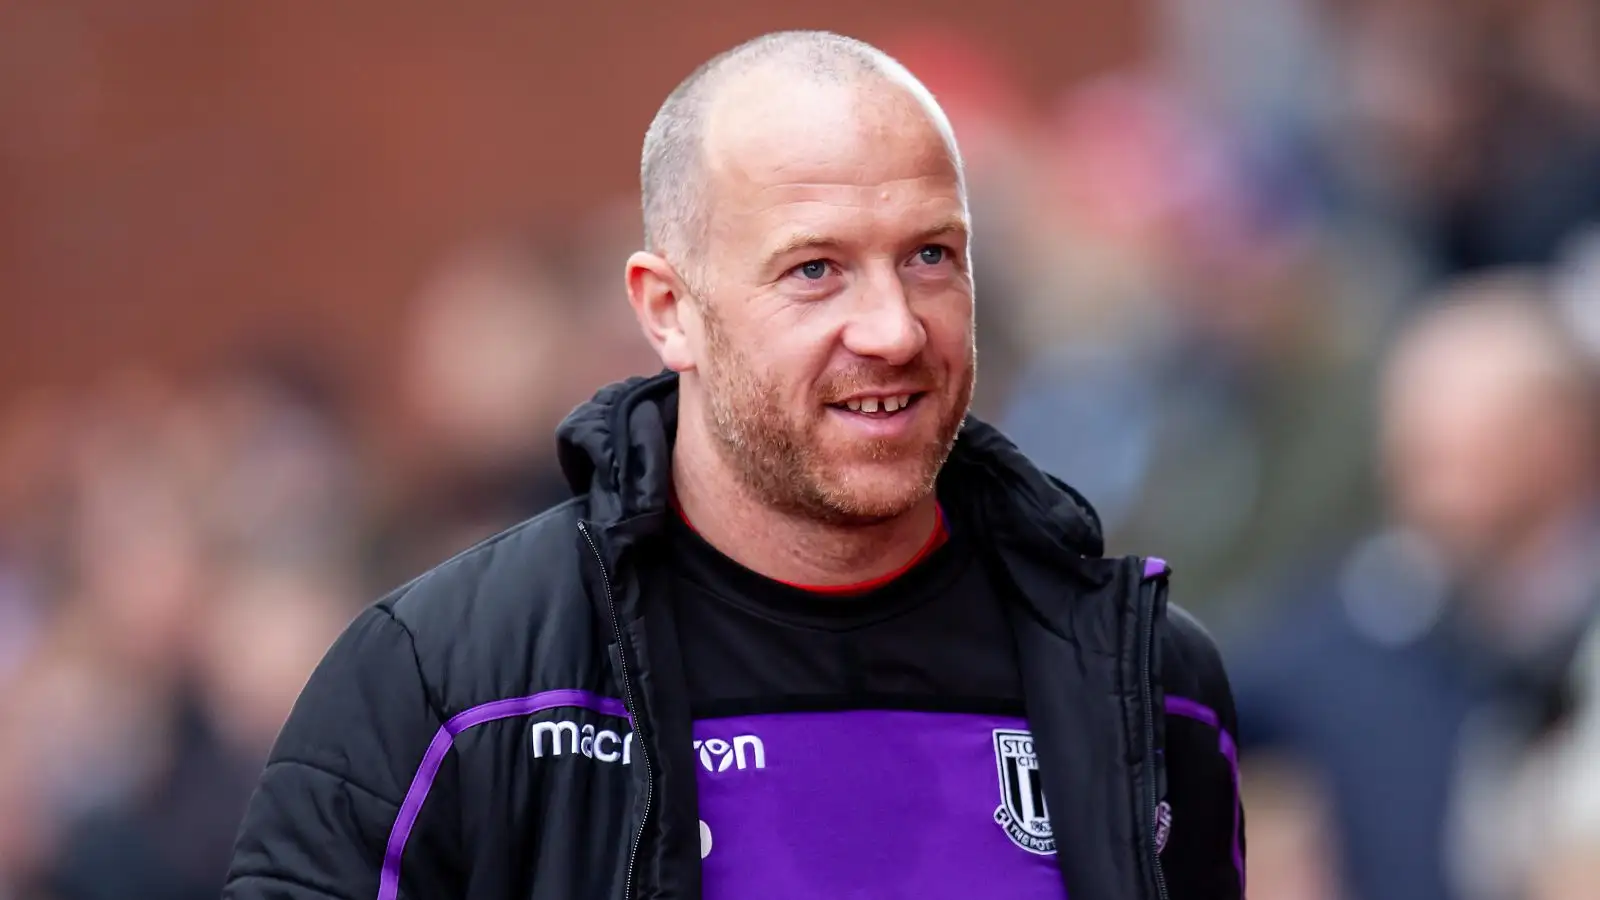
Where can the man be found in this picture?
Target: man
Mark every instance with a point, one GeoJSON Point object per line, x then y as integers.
{"type": "Point", "coordinates": [802, 633]}
{"type": "Point", "coordinates": [1417, 676]}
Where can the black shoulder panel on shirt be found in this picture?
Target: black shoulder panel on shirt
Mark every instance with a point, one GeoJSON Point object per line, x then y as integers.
{"type": "Point", "coordinates": [508, 617]}
{"type": "Point", "coordinates": [1191, 664]}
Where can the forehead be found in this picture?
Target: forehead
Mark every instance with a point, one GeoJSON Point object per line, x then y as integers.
{"type": "Point", "coordinates": [784, 150]}
{"type": "Point", "coordinates": [1470, 378]}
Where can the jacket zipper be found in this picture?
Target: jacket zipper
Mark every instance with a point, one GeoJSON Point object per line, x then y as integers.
{"type": "Point", "coordinates": [633, 711]}
{"type": "Point", "coordinates": [1147, 610]}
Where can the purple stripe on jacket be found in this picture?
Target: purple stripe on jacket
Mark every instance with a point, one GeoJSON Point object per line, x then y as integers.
{"type": "Point", "coordinates": [422, 782]}
{"type": "Point", "coordinates": [1182, 706]}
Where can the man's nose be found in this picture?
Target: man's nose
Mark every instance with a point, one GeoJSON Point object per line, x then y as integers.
{"type": "Point", "coordinates": [883, 325]}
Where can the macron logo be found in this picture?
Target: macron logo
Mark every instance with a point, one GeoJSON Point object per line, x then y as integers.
{"type": "Point", "coordinates": [605, 745]}
{"type": "Point", "coordinates": [717, 755]}
{"type": "Point", "coordinates": [568, 738]}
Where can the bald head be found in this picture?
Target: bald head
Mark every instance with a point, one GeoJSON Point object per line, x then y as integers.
{"type": "Point", "coordinates": [1492, 340]}
{"type": "Point", "coordinates": [1489, 418]}
{"type": "Point", "coordinates": [729, 94]}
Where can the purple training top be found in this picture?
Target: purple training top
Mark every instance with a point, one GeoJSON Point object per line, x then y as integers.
{"type": "Point", "coordinates": [872, 804]}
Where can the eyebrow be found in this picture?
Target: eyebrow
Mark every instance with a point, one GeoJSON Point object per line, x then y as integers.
{"type": "Point", "coordinates": [952, 225]}
{"type": "Point", "coordinates": [808, 240]}
{"type": "Point", "coordinates": [805, 240]}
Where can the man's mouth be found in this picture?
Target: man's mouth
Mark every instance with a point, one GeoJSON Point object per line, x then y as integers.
{"type": "Point", "coordinates": [880, 406]}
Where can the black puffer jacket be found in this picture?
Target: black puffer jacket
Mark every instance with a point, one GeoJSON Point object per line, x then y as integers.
{"type": "Point", "coordinates": [407, 770]}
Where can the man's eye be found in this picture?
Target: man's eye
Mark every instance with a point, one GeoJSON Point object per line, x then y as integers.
{"type": "Point", "coordinates": [815, 270]}
{"type": "Point", "coordinates": [932, 255]}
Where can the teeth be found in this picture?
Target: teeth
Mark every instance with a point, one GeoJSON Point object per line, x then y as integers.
{"type": "Point", "coordinates": [871, 404]}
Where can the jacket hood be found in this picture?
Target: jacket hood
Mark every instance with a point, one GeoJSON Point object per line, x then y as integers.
{"type": "Point", "coordinates": [617, 448]}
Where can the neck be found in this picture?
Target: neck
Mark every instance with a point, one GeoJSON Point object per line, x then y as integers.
{"type": "Point", "coordinates": [787, 546]}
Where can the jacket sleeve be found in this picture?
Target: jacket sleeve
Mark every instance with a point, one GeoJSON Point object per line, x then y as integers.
{"type": "Point", "coordinates": [332, 811]}
{"type": "Point", "coordinates": [1204, 847]}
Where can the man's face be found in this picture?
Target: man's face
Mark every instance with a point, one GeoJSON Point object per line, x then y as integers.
{"type": "Point", "coordinates": [833, 339]}
{"type": "Point", "coordinates": [1479, 446]}
{"type": "Point", "coordinates": [1454, 471]}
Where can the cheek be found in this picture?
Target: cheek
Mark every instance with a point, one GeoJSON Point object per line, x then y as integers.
{"type": "Point", "coordinates": [783, 358]}
{"type": "Point", "coordinates": [949, 329]}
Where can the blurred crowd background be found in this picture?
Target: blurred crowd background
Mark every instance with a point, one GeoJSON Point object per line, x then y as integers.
{"type": "Point", "coordinates": [1304, 294]}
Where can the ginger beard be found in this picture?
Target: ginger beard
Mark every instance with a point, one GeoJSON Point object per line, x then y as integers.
{"type": "Point", "coordinates": [783, 457]}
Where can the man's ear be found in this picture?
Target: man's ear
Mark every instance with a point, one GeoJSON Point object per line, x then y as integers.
{"type": "Point", "coordinates": [659, 300]}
